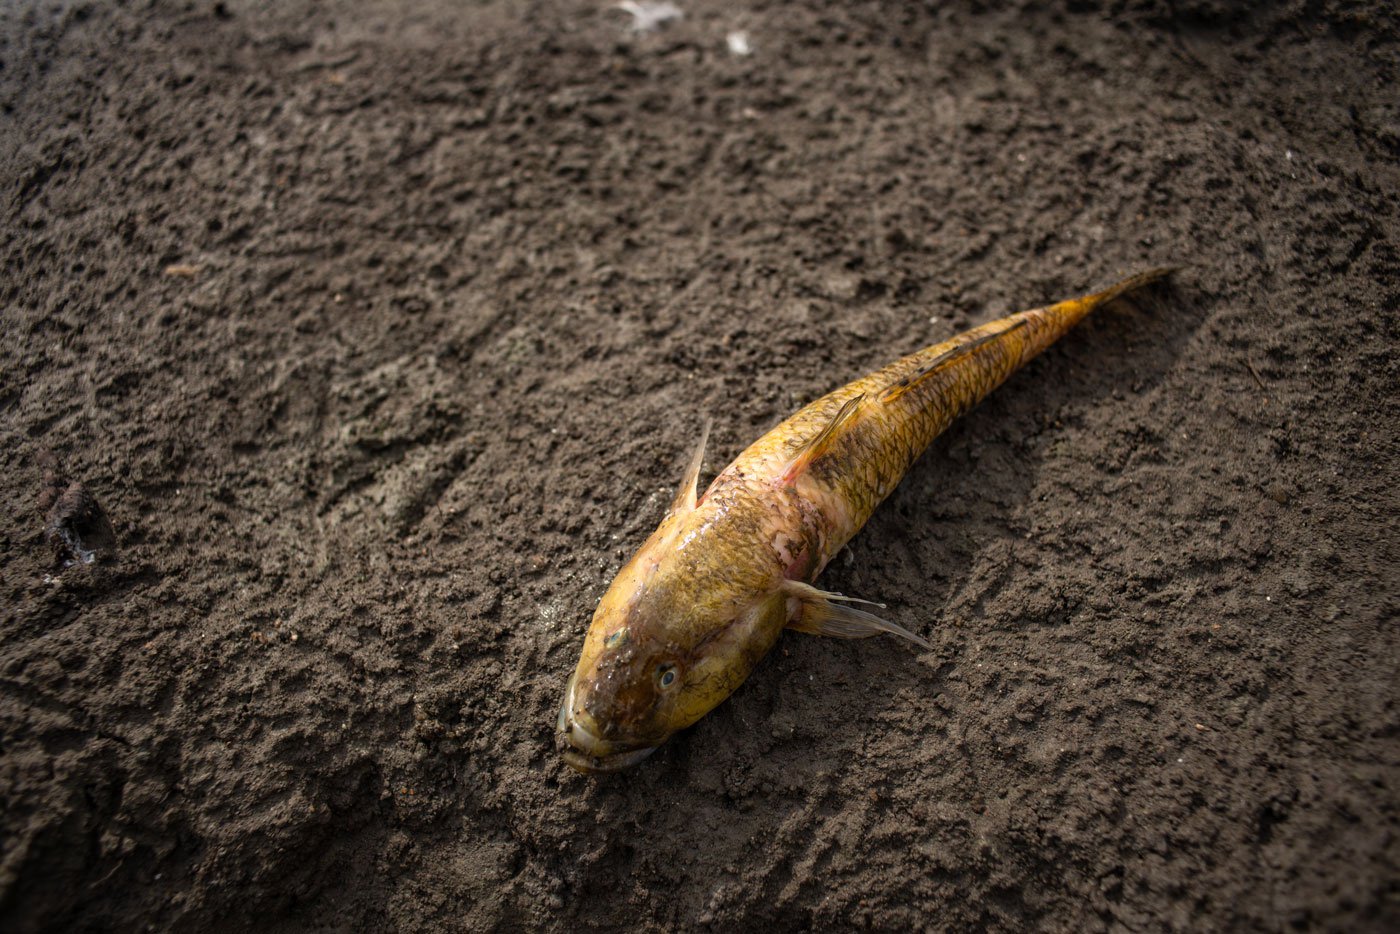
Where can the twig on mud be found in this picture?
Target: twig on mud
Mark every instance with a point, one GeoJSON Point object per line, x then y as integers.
{"type": "Point", "coordinates": [1255, 373]}
{"type": "Point", "coordinates": [338, 62]}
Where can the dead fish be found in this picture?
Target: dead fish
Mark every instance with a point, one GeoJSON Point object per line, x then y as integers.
{"type": "Point", "coordinates": [707, 595]}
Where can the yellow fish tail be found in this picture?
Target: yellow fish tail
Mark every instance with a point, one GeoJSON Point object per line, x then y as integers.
{"type": "Point", "coordinates": [1059, 318]}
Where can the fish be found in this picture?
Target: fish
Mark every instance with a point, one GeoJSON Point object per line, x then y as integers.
{"type": "Point", "coordinates": [689, 616]}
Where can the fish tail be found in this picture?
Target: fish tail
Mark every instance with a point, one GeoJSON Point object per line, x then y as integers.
{"type": "Point", "coordinates": [1050, 324]}
{"type": "Point", "coordinates": [996, 350]}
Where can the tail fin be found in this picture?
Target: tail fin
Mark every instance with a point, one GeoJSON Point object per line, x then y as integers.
{"type": "Point", "coordinates": [1133, 283]}
{"type": "Point", "coordinates": [1074, 310]}
{"type": "Point", "coordinates": [1024, 335]}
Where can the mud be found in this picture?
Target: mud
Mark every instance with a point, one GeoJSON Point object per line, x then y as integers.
{"type": "Point", "coordinates": [381, 332]}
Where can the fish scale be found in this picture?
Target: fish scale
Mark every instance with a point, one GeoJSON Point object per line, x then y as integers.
{"type": "Point", "coordinates": [707, 595]}
{"type": "Point", "coordinates": [868, 461]}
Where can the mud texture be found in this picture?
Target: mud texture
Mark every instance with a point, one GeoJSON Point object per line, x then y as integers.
{"type": "Point", "coordinates": [381, 331]}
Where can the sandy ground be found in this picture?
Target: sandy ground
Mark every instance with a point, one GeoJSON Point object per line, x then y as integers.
{"type": "Point", "coordinates": [381, 332]}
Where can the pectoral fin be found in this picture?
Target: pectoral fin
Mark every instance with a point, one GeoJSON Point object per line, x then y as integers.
{"type": "Point", "coordinates": [823, 441]}
{"type": "Point", "coordinates": [825, 614]}
{"type": "Point", "coordinates": [688, 493]}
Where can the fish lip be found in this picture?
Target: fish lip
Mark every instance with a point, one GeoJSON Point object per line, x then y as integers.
{"type": "Point", "coordinates": [584, 751]}
{"type": "Point", "coordinates": [613, 762]}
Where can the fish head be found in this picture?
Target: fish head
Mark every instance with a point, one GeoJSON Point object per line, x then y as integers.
{"type": "Point", "coordinates": [669, 641]}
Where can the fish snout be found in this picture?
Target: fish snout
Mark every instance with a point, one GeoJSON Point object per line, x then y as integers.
{"type": "Point", "coordinates": [578, 741]}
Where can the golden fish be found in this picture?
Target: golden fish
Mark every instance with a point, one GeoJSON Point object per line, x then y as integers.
{"type": "Point", "coordinates": [707, 595]}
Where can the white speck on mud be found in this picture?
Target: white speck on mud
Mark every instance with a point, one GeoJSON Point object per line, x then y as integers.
{"type": "Point", "coordinates": [648, 16]}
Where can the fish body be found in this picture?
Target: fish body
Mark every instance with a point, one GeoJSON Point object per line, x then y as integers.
{"type": "Point", "coordinates": [707, 595]}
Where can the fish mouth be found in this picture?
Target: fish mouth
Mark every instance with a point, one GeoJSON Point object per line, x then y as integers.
{"type": "Point", "coordinates": [584, 750]}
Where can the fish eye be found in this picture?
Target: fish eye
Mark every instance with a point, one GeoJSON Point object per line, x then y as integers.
{"type": "Point", "coordinates": [666, 675]}
{"type": "Point", "coordinates": [616, 639]}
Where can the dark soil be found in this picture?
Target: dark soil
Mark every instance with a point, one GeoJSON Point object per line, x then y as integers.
{"type": "Point", "coordinates": [381, 331]}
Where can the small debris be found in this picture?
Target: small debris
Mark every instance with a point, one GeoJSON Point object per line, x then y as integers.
{"type": "Point", "coordinates": [182, 271]}
{"type": "Point", "coordinates": [349, 58]}
{"type": "Point", "coordinates": [75, 525]}
{"type": "Point", "coordinates": [1255, 373]}
{"type": "Point", "coordinates": [649, 15]}
{"type": "Point", "coordinates": [738, 42]}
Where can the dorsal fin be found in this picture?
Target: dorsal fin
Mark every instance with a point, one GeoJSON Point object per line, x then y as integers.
{"type": "Point", "coordinates": [822, 442]}
{"type": "Point", "coordinates": [687, 495]}
{"type": "Point", "coordinates": [900, 386]}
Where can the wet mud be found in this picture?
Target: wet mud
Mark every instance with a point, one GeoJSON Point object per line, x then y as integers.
{"type": "Point", "coordinates": [381, 332]}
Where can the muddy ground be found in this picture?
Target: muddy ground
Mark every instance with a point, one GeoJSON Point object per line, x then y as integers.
{"type": "Point", "coordinates": [381, 332]}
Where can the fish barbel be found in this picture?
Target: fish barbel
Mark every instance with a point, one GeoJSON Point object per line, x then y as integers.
{"type": "Point", "coordinates": [707, 595]}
